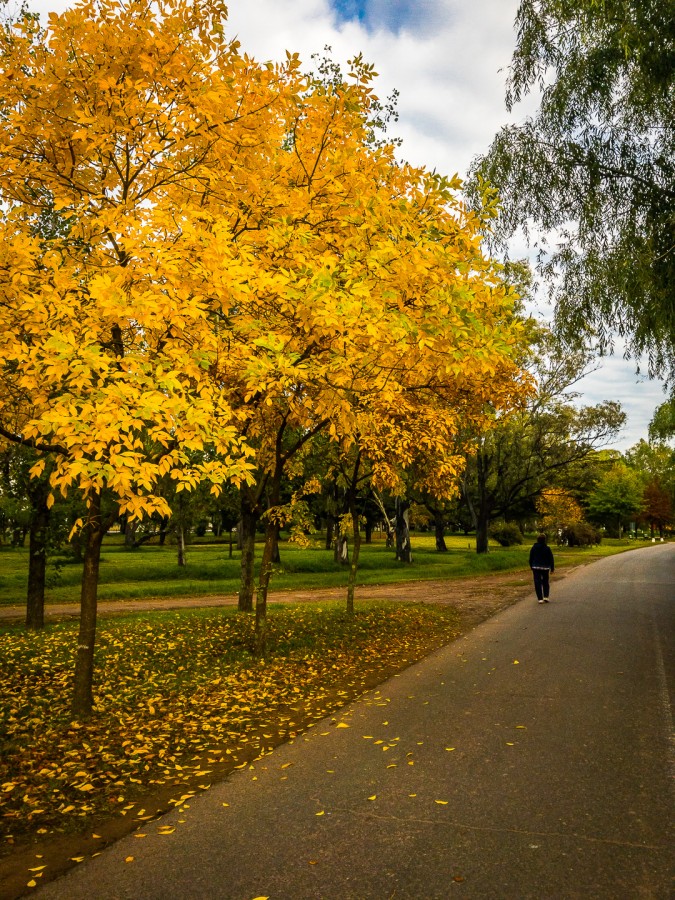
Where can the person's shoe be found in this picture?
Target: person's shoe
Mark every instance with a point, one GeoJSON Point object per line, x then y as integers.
{"type": "Point", "coordinates": [545, 599]}
{"type": "Point", "coordinates": [540, 601]}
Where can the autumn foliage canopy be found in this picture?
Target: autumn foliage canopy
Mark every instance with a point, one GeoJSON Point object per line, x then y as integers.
{"type": "Point", "coordinates": [198, 250]}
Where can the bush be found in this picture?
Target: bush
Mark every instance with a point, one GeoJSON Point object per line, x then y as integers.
{"type": "Point", "coordinates": [506, 534]}
{"type": "Point", "coordinates": [581, 534]}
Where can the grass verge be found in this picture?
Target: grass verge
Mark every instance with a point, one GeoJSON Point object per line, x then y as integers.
{"type": "Point", "coordinates": [180, 701]}
{"type": "Point", "coordinates": [151, 571]}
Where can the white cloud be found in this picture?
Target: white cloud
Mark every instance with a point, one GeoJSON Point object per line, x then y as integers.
{"type": "Point", "coordinates": [446, 65]}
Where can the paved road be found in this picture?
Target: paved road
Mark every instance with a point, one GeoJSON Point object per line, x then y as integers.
{"type": "Point", "coordinates": [532, 758]}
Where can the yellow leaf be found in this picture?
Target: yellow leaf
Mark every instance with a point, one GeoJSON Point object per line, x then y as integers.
{"type": "Point", "coordinates": [342, 725]}
{"type": "Point", "coordinates": [320, 813]}
{"type": "Point", "coordinates": [374, 797]}
{"type": "Point", "coordinates": [516, 662]}
{"type": "Point", "coordinates": [31, 883]}
{"type": "Point", "coordinates": [76, 858]}
{"type": "Point", "coordinates": [441, 802]}
{"type": "Point", "coordinates": [128, 859]}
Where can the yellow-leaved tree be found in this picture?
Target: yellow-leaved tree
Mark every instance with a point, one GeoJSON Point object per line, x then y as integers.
{"type": "Point", "coordinates": [109, 118]}
{"type": "Point", "coordinates": [351, 295]}
{"type": "Point", "coordinates": [558, 509]}
{"type": "Point", "coordinates": [208, 258]}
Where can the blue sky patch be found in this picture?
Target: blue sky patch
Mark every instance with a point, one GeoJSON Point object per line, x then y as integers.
{"type": "Point", "coordinates": [387, 15]}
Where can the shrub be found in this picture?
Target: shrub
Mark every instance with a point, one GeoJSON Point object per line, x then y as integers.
{"type": "Point", "coordinates": [581, 534]}
{"type": "Point", "coordinates": [506, 534]}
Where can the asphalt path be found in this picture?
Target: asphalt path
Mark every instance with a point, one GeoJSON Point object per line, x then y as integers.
{"type": "Point", "coordinates": [532, 758]}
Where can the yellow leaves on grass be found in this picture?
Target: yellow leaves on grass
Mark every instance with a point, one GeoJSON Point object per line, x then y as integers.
{"type": "Point", "coordinates": [148, 728]}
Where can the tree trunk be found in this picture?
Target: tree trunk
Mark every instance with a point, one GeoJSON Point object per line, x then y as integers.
{"type": "Point", "coordinates": [355, 552]}
{"type": "Point", "coordinates": [130, 529]}
{"type": "Point", "coordinates": [332, 521]}
{"type": "Point", "coordinates": [439, 530]}
{"type": "Point", "coordinates": [368, 526]}
{"type": "Point", "coordinates": [342, 550]}
{"type": "Point", "coordinates": [276, 556]}
{"type": "Point", "coordinates": [482, 528]}
{"type": "Point", "coordinates": [247, 528]}
{"type": "Point", "coordinates": [330, 531]}
{"type": "Point", "coordinates": [84, 664]}
{"type": "Point", "coordinates": [403, 548]}
{"type": "Point", "coordinates": [163, 528]}
{"type": "Point", "coordinates": [37, 560]}
{"type": "Point", "coordinates": [180, 540]}
{"type": "Point", "coordinates": [271, 536]}
{"type": "Point", "coordinates": [481, 516]}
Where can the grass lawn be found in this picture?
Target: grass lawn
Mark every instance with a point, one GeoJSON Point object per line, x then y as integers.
{"type": "Point", "coordinates": [151, 571]}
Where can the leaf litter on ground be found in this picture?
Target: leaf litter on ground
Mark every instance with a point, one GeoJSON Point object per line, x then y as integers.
{"type": "Point", "coordinates": [179, 698]}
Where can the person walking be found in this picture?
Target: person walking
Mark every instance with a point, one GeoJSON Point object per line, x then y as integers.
{"type": "Point", "coordinates": [542, 564]}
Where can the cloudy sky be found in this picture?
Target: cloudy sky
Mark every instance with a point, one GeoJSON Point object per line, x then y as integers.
{"type": "Point", "coordinates": [448, 60]}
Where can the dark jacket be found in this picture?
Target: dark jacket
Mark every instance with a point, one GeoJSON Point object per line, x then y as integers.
{"type": "Point", "coordinates": [541, 557]}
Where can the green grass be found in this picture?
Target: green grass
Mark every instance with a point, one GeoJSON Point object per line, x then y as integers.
{"type": "Point", "coordinates": [152, 571]}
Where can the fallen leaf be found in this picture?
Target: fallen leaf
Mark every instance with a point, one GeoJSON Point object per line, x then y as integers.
{"type": "Point", "coordinates": [320, 813]}
{"type": "Point", "coordinates": [128, 859]}
{"type": "Point", "coordinates": [342, 725]}
{"type": "Point", "coordinates": [441, 802]}
{"type": "Point", "coordinates": [31, 883]}
{"type": "Point", "coordinates": [374, 797]}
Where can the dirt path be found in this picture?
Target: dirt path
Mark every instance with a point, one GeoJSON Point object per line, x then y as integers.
{"type": "Point", "coordinates": [476, 598]}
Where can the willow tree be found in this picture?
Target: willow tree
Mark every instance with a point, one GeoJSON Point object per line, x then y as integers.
{"type": "Point", "coordinates": [594, 168]}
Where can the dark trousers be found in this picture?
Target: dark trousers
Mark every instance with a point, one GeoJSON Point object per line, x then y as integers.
{"type": "Point", "coordinates": [541, 582]}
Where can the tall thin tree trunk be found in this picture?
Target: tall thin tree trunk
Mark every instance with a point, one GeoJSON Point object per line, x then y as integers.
{"type": "Point", "coordinates": [37, 557]}
{"type": "Point", "coordinates": [330, 531]}
{"type": "Point", "coordinates": [84, 663]}
{"type": "Point", "coordinates": [180, 540]}
{"type": "Point", "coordinates": [481, 515]}
{"type": "Point", "coordinates": [247, 531]}
{"type": "Point", "coordinates": [276, 555]}
{"type": "Point", "coordinates": [353, 569]}
{"type": "Point", "coordinates": [271, 535]}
